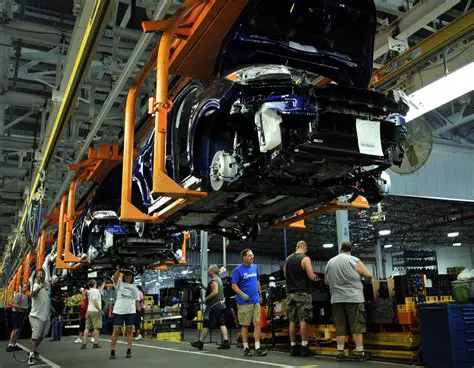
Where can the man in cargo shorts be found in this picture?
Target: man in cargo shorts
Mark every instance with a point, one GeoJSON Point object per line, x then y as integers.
{"type": "Point", "coordinates": [344, 275]}
{"type": "Point", "coordinates": [299, 277]}
{"type": "Point", "coordinates": [93, 316]}
{"type": "Point", "coordinates": [247, 287]}
{"type": "Point", "coordinates": [39, 314]}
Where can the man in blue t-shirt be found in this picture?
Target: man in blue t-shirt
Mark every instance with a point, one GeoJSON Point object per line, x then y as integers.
{"type": "Point", "coordinates": [247, 287]}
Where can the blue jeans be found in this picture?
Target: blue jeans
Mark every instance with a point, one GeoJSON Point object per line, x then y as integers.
{"type": "Point", "coordinates": [56, 331]}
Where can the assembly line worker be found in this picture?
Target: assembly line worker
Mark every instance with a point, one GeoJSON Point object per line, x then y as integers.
{"type": "Point", "coordinates": [140, 314]}
{"type": "Point", "coordinates": [343, 274]}
{"type": "Point", "coordinates": [127, 304]}
{"type": "Point", "coordinates": [39, 314]}
{"type": "Point", "coordinates": [19, 308]}
{"type": "Point", "coordinates": [299, 302]}
{"type": "Point", "coordinates": [215, 308]}
{"type": "Point", "coordinates": [84, 304]}
{"type": "Point", "coordinates": [93, 316]}
{"type": "Point", "coordinates": [247, 287]}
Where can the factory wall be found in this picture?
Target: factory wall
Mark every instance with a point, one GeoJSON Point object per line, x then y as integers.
{"type": "Point", "coordinates": [448, 256]}
{"type": "Point", "coordinates": [448, 174]}
{"type": "Point", "coordinates": [453, 257]}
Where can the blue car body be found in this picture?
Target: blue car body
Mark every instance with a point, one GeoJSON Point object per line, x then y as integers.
{"type": "Point", "coordinates": [265, 136]}
{"type": "Point", "coordinates": [277, 52]}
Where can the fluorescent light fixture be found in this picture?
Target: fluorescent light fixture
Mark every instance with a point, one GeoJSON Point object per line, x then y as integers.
{"type": "Point", "coordinates": [453, 235]}
{"type": "Point", "coordinates": [441, 91]}
{"type": "Point", "coordinates": [388, 246]}
{"type": "Point", "coordinates": [329, 245]}
{"type": "Point", "coordinates": [457, 244]}
{"type": "Point", "coordinates": [384, 232]}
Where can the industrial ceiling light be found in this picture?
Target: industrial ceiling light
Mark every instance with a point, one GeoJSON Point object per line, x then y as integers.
{"type": "Point", "coordinates": [453, 235]}
{"type": "Point", "coordinates": [441, 91]}
{"type": "Point", "coordinates": [328, 245]}
{"type": "Point", "coordinates": [457, 244]}
{"type": "Point", "coordinates": [388, 246]}
{"type": "Point", "coordinates": [384, 232]}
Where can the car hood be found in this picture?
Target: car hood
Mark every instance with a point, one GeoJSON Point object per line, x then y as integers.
{"type": "Point", "coordinates": [334, 39]}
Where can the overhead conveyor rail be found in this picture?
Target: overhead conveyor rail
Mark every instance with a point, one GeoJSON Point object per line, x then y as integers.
{"type": "Point", "coordinates": [460, 29]}
{"type": "Point", "coordinates": [193, 33]}
{"type": "Point", "coordinates": [93, 31]}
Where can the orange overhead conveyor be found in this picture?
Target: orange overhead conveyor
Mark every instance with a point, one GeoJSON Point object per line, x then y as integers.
{"type": "Point", "coordinates": [188, 47]}
{"type": "Point", "coordinates": [94, 169]}
{"type": "Point", "coordinates": [297, 221]}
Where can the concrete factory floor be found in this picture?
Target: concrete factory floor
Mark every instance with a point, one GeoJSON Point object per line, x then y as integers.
{"type": "Point", "coordinates": [152, 353]}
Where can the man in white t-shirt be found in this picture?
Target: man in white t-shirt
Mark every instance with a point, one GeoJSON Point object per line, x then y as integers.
{"type": "Point", "coordinates": [39, 314]}
{"type": "Point", "coordinates": [127, 304]}
{"type": "Point", "coordinates": [93, 316]}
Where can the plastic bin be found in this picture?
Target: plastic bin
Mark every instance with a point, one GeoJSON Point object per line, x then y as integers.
{"type": "Point", "coordinates": [406, 317]}
{"type": "Point", "coordinates": [462, 290]}
{"type": "Point", "coordinates": [405, 308]}
{"type": "Point", "coordinates": [446, 299]}
{"type": "Point", "coordinates": [431, 299]}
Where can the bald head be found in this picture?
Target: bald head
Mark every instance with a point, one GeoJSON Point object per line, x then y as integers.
{"type": "Point", "coordinates": [301, 247]}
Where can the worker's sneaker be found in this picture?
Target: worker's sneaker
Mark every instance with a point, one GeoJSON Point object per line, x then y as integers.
{"type": "Point", "coordinates": [295, 350]}
{"type": "Point", "coordinates": [96, 346]}
{"type": "Point", "coordinates": [362, 356]}
{"type": "Point", "coordinates": [78, 341]}
{"type": "Point", "coordinates": [306, 352]}
{"type": "Point", "coordinates": [31, 359]}
{"type": "Point", "coordinates": [84, 346]}
{"type": "Point", "coordinates": [225, 345]}
{"type": "Point", "coordinates": [247, 352]}
{"type": "Point", "coordinates": [139, 337]}
{"type": "Point", "coordinates": [260, 352]}
{"type": "Point", "coordinates": [197, 344]}
{"type": "Point", "coordinates": [112, 354]}
{"type": "Point", "coordinates": [129, 353]}
{"type": "Point", "coordinates": [340, 356]}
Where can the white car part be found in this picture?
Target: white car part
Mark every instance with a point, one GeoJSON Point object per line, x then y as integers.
{"type": "Point", "coordinates": [109, 240]}
{"type": "Point", "coordinates": [268, 123]}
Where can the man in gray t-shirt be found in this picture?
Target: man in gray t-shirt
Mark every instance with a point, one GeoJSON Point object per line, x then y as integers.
{"type": "Point", "coordinates": [344, 276]}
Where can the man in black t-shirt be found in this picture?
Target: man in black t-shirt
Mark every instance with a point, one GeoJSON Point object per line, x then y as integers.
{"type": "Point", "coordinates": [299, 275]}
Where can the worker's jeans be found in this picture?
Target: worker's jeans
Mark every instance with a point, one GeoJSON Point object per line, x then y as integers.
{"type": "Point", "coordinates": [56, 330]}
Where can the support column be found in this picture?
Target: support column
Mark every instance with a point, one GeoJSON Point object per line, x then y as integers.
{"type": "Point", "coordinates": [2, 125]}
{"type": "Point", "coordinates": [204, 266]}
{"type": "Point", "coordinates": [379, 260]}
{"type": "Point", "coordinates": [342, 225]}
{"type": "Point", "coordinates": [225, 243]}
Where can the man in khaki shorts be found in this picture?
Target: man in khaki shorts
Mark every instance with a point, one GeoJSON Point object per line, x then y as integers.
{"type": "Point", "coordinates": [247, 287]}
{"type": "Point", "coordinates": [39, 314]}
{"type": "Point", "coordinates": [93, 316]}
{"type": "Point", "coordinates": [299, 276]}
{"type": "Point", "coordinates": [344, 276]}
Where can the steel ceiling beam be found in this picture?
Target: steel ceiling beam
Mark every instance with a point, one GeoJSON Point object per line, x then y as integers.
{"type": "Point", "coordinates": [454, 124]}
{"type": "Point", "coordinates": [16, 121]}
{"type": "Point", "coordinates": [411, 22]}
{"type": "Point", "coordinates": [87, 32]}
{"type": "Point", "coordinates": [22, 99]}
{"type": "Point", "coordinates": [12, 171]}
